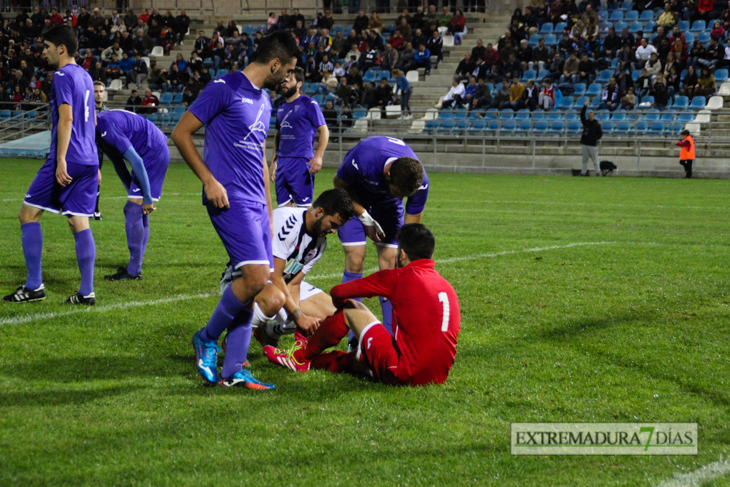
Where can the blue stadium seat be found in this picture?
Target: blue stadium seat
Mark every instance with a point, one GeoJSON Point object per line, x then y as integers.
{"type": "Point", "coordinates": [575, 128]}
{"type": "Point", "coordinates": [616, 16]}
{"type": "Point", "coordinates": [721, 75]}
{"type": "Point", "coordinates": [704, 37]}
{"type": "Point", "coordinates": [560, 26]}
{"type": "Point", "coordinates": [318, 98]}
{"type": "Point", "coordinates": [462, 126]}
{"type": "Point", "coordinates": [478, 126]}
{"type": "Point", "coordinates": [152, 117]}
{"type": "Point", "coordinates": [627, 6]}
{"type": "Point", "coordinates": [212, 73]}
{"type": "Point", "coordinates": [221, 72]}
{"type": "Point", "coordinates": [674, 129]}
{"type": "Point", "coordinates": [648, 100]}
{"type": "Point", "coordinates": [622, 128]}
{"type": "Point", "coordinates": [179, 111]}
{"type": "Point", "coordinates": [603, 115]}
{"type": "Point", "coordinates": [538, 115]}
{"type": "Point", "coordinates": [605, 76]}
{"type": "Point", "coordinates": [554, 117]}
{"type": "Point", "coordinates": [619, 26]}
{"type": "Point", "coordinates": [650, 26]}
{"type": "Point", "coordinates": [686, 116]}
{"type": "Point", "coordinates": [311, 88]}
{"type": "Point", "coordinates": [509, 126]}
{"type": "Point", "coordinates": [507, 114]}
{"type": "Point", "coordinates": [550, 40]}
{"type": "Point", "coordinates": [652, 115]}
{"type": "Point", "coordinates": [522, 115]}
{"type": "Point", "coordinates": [461, 114]}
{"type": "Point", "coordinates": [547, 28]}
{"type": "Point", "coordinates": [633, 115]}
{"type": "Point", "coordinates": [614, 63]}
{"type": "Point", "coordinates": [641, 128]}
{"type": "Point", "coordinates": [534, 40]}
{"type": "Point", "coordinates": [272, 121]}
{"type": "Point", "coordinates": [646, 16]}
{"type": "Point", "coordinates": [446, 115]}
{"type": "Point", "coordinates": [565, 104]}
{"type": "Point", "coordinates": [689, 37]}
{"type": "Point", "coordinates": [657, 128]}
{"type": "Point", "coordinates": [432, 126]}
{"type": "Point", "coordinates": [635, 27]}
{"type": "Point", "coordinates": [557, 127]}
{"type": "Point", "coordinates": [618, 117]}
{"type": "Point", "coordinates": [541, 128]}
{"type": "Point", "coordinates": [608, 128]}
{"type": "Point", "coordinates": [5, 114]}
{"type": "Point", "coordinates": [447, 126]}
{"type": "Point", "coordinates": [594, 90]}
{"type": "Point", "coordinates": [166, 98]}
{"type": "Point", "coordinates": [681, 102]}
{"type": "Point", "coordinates": [528, 75]}
{"type": "Point", "coordinates": [579, 89]}
{"type": "Point", "coordinates": [178, 98]}
{"type": "Point", "coordinates": [698, 26]}
{"type": "Point", "coordinates": [572, 115]}
{"type": "Point", "coordinates": [581, 101]}
{"type": "Point", "coordinates": [524, 127]}
{"type": "Point", "coordinates": [369, 76]}
{"type": "Point", "coordinates": [492, 126]}
{"type": "Point", "coordinates": [635, 75]}
{"type": "Point", "coordinates": [249, 29]}
{"type": "Point", "coordinates": [492, 114]}
{"type": "Point", "coordinates": [595, 103]}
{"type": "Point", "coordinates": [667, 117]}
{"type": "Point", "coordinates": [175, 118]}
{"type": "Point", "coordinates": [698, 103]}
{"type": "Point", "coordinates": [683, 26]}
{"type": "Point", "coordinates": [384, 74]}
{"type": "Point", "coordinates": [631, 16]}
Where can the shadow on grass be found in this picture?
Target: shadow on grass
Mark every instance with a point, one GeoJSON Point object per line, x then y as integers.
{"type": "Point", "coordinates": [60, 398]}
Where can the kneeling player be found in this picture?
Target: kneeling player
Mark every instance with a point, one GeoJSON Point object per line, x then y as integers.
{"type": "Point", "coordinates": [300, 239]}
{"type": "Point", "coordinates": [426, 322]}
{"type": "Point", "coordinates": [125, 135]}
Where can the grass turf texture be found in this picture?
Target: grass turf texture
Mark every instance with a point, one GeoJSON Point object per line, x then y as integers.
{"type": "Point", "coordinates": [631, 330]}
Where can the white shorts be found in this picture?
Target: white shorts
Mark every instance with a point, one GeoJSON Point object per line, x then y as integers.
{"type": "Point", "coordinates": [306, 291]}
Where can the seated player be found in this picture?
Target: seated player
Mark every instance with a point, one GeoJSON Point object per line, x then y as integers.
{"type": "Point", "coordinates": [124, 135]}
{"type": "Point", "coordinates": [426, 322]}
{"type": "Point", "coordinates": [287, 302]}
{"type": "Point", "coordinates": [378, 173]}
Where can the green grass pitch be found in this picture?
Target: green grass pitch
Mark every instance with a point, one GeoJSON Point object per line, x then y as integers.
{"type": "Point", "coordinates": [623, 316]}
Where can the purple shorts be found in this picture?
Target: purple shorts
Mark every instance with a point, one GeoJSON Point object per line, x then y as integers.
{"type": "Point", "coordinates": [156, 174]}
{"type": "Point", "coordinates": [389, 215]}
{"type": "Point", "coordinates": [294, 182]}
{"type": "Point", "coordinates": [245, 232]}
{"type": "Point", "coordinates": [77, 199]}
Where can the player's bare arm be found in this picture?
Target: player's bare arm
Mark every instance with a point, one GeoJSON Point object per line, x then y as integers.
{"type": "Point", "coordinates": [413, 218]}
{"type": "Point", "coordinates": [306, 323]}
{"type": "Point", "coordinates": [315, 165]}
{"type": "Point", "coordinates": [372, 228]}
{"type": "Point", "coordinates": [65, 124]}
{"type": "Point", "coordinates": [183, 138]}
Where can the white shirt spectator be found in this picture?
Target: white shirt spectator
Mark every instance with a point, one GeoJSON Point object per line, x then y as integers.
{"type": "Point", "coordinates": [454, 91]}
{"type": "Point", "coordinates": [643, 53]}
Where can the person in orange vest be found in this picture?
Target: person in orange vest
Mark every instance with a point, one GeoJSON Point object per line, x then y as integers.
{"type": "Point", "coordinates": [687, 153]}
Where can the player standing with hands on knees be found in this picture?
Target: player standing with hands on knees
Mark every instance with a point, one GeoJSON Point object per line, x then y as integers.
{"type": "Point", "coordinates": [298, 120]}
{"type": "Point", "coordinates": [68, 181]}
{"type": "Point", "coordinates": [124, 135]}
{"type": "Point", "coordinates": [378, 173]}
{"type": "Point", "coordinates": [236, 111]}
{"type": "Point", "coordinates": [421, 349]}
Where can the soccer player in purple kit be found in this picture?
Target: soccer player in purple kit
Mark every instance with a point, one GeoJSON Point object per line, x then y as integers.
{"type": "Point", "coordinates": [124, 135]}
{"type": "Point", "coordinates": [68, 181]}
{"type": "Point", "coordinates": [378, 173]}
{"type": "Point", "coordinates": [236, 112]}
{"type": "Point", "coordinates": [294, 164]}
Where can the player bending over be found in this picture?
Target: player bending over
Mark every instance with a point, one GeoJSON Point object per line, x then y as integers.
{"type": "Point", "coordinates": [68, 181]}
{"type": "Point", "coordinates": [378, 173]}
{"type": "Point", "coordinates": [426, 322]}
{"type": "Point", "coordinates": [298, 120]}
{"type": "Point", "coordinates": [289, 303]}
{"type": "Point", "coordinates": [124, 135]}
{"type": "Point", "coordinates": [236, 112]}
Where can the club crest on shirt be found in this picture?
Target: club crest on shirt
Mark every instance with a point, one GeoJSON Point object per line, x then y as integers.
{"type": "Point", "coordinates": [284, 123]}
{"type": "Point", "coordinates": [251, 140]}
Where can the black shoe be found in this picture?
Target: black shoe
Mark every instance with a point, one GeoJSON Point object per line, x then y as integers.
{"type": "Point", "coordinates": [25, 295]}
{"type": "Point", "coordinates": [97, 215]}
{"type": "Point", "coordinates": [123, 275]}
{"type": "Point", "coordinates": [78, 298]}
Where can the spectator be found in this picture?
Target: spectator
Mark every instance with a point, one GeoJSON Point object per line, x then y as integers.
{"type": "Point", "coordinates": [422, 59]}
{"type": "Point", "coordinates": [667, 18]}
{"type": "Point", "coordinates": [361, 22]}
{"type": "Point", "coordinates": [142, 43]}
{"type": "Point", "coordinates": [482, 96]}
{"type": "Point", "coordinates": [531, 96]}
{"type": "Point", "coordinates": [157, 79]}
{"type": "Point", "coordinates": [191, 91]}
{"type": "Point", "coordinates": [628, 102]}
{"type": "Point", "coordinates": [397, 40]}
{"type": "Point", "coordinates": [383, 96]}
{"type": "Point", "coordinates": [610, 96]}
{"type": "Point", "coordinates": [654, 66]}
{"type": "Point", "coordinates": [706, 83]}
{"type": "Point", "coordinates": [512, 67]}
{"type": "Point", "coordinates": [133, 102]}
{"type": "Point", "coordinates": [176, 79]}
{"type": "Point", "coordinates": [457, 23]}
{"type": "Point", "coordinates": [570, 69]}
{"type": "Point", "coordinates": [329, 113]}
{"type": "Point", "coordinates": [406, 58]}
{"type": "Point", "coordinates": [455, 95]}
{"type": "Point", "coordinates": [690, 82]}
{"type": "Point", "coordinates": [98, 73]}
{"type": "Point", "coordinates": [549, 96]}
{"type": "Point", "coordinates": [344, 92]}
{"type": "Point", "coordinates": [592, 133]}
{"type": "Point", "coordinates": [466, 67]}
{"type": "Point", "coordinates": [389, 58]}
{"type": "Point", "coordinates": [404, 87]}
{"type": "Point", "coordinates": [445, 18]}
{"type": "Point", "coordinates": [138, 72]}
{"type": "Point", "coordinates": [368, 60]}
{"type": "Point", "coordinates": [478, 51]}
{"type": "Point", "coordinates": [149, 103]}
{"type": "Point", "coordinates": [435, 46]}
{"type": "Point", "coordinates": [643, 83]}
{"type": "Point", "coordinates": [611, 44]}
{"type": "Point", "coordinates": [687, 153]}
{"type": "Point", "coordinates": [501, 96]}
{"type": "Point", "coordinates": [375, 23]}
{"type": "Point", "coordinates": [660, 92]}
{"type": "Point", "coordinates": [516, 92]}
{"type": "Point", "coordinates": [643, 52]}
{"type": "Point", "coordinates": [180, 27]}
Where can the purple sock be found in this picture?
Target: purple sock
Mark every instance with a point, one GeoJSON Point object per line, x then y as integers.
{"type": "Point", "coordinates": [85, 256]}
{"type": "Point", "coordinates": [134, 225]}
{"type": "Point", "coordinates": [32, 249]}
{"type": "Point", "coordinates": [347, 277]}
{"type": "Point", "coordinates": [237, 343]}
{"type": "Point", "coordinates": [228, 307]}
{"type": "Point", "coordinates": [146, 223]}
{"type": "Point", "coordinates": [387, 308]}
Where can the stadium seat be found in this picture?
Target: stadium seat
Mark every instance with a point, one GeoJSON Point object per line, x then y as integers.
{"type": "Point", "coordinates": [650, 26]}
{"type": "Point", "coordinates": [631, 16]}
{"type": "Point", "coordinates": [667, 117]}
{"type": "Point", "coordinates": [608, 128]}
{"type": "Point", "coordinates": [581, 101]}
{"type": "Point", "coordinates": [635, 74]}
{"type": "Point", "coordinates": [359, 113]}
{"type": "Point", "coordinates": [550, 40]}
{"type": "Point", "coordinates": [446, 115]}
{"type": "Point", "coordinates": [721, 75]}
{"type": "Point", "coordinates": [618, 117]}
{"type": "Point", "coordinates": [683, 25]}
{"type": "Point", "coordinates": [704, 37]}
{"type": "Point", "coordinates": [534, 40]}
{"type": "Point", "coordinates": [541, 128]}
{"type": "Point", "coordinates": [605, 76]}
{"type": "Point", "coordinates": [572, 115]}
{"type": "Point", "coordinates": [646, 102]}
{"type": "Point", "coordinates": [412, 76]}
{"type": "Point", "coordinates": [318, 98]}
{"type": "Point", "coordinates": [674, 129]}
{"type": "Point", "coordinates": [652, 115]}
{"type": "Point", "coordinates": [524, 127]}
{"type": "Point", "coordinates": [698, 103]}
{"type": "Point", "coordinates": [179, 111]}
{"type": "Point", "coordinates": [641, 128]}
{"type": "Point", "coordinates": [681, 102]}
{"type": "Point", "coordinates": [594, 90]}
{"type": "Point", "coordinates": [492, 114]}
{"type": "Point", "coordinates": [116, 84]}
{"type": "Point", "coordinates": [369, 76]}
{"type": "Point", "coordinates": [595, 103]}
{"type": "Point", "coordinates": [635, 27]}
{"type": "Point", "coordinates": [221, 72]}
{"type": "Point", "coordinates": [603, 115]}
{"type": "Point", "coordinates": [492, 126]}
{"type": "Point", "coordinates": [461, 126]}
{"type": "Point", "coordinates": [249, 30]}
{"type": "Point", "coordinates": [616, 16]}
{"type": "Point", "coordinates": [507, 114]}
{"type": "Point", "coordinates": [565, 104]}
{"type": "Point", "coordinates": [528, 75]}
{"type": "Point", "coordinates": [211, 72]}
{"type": "Point", "coordinates": [461, 114]}
{"type": "Point", "coordinates": [614, 63]}
{"type": "Point", "coordinates": [474, 115]}
{"type": "Point", "coordinates": [146, 61]}
{"type": "Point", "coordinates": [384, 74]}
{"type": "Point", "coordinates": [152, 117]}
{"type": "Point", "coordinates": [5, 114]}
{"type": "Point", "coordinates": [714, 103]}
{"type": "Point", "coordinates": [310, 89]}
{"type": "Point", "coordinates": [166, 98]}
{"type": "Point", "coordinates": [509, 126]}
{"type": "Point", "coordinates": [698, 26]}
{"type": "Point", "coordinates": [622, 128]}
{"type": "Point", "coordinates": [657, 128]}
{"type": "Point", "coordinates": [157, 51]}
{"type": "Point", "coordinates": [627, 6]}
{"type": "Point", "coordinates": [477, 127]}
{"type": "Point", "coordinates": [547, 28]}
{"type": "Point", "coordinates": [560, 26]}
{"type": "Point", "coordinates": [178, 98]}
{"type": "Point", "coordinates": [432, 126]}
{"type": "Point", "coordinates": [646, 16]}
{"type": "Point", "coordinates": [538, 115]}
{"type": "Point", "coordinates": [554, 117]}
{"type": "Point", "coordinates": [579, 89]}
{"type": "Point", "coordinates": [522, 115]}
{"type": "Point", "coordinates": [619, 26]}
{"type": "Point", "coordinates": [633, 115]}
{"type": "Point", "coordinates": [557, 127]}
{"type": "Point", "coordinates": [575, 128]}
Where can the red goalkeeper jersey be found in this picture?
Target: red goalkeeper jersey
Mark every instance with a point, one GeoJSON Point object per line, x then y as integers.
{"type": "Point", "coordinates": [426, 317]}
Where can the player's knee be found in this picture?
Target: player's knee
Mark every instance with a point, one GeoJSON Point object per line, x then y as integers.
{"type": "Point", "coordinates": [354, 261]}
{"type": "Point", "coordinates": [275, 300]}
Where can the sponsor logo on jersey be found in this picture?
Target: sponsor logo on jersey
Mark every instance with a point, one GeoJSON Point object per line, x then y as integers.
{"type": "Point", "coordinates": [284, 123]}
{"type": "Point", "coordinates": [353, 163]}
{"type": "Point", "coordinates": [219, 81]}
{"type": "Point", "coordinates": [244, 99]}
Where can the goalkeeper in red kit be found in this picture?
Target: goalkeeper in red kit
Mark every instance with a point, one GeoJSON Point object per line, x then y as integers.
{"type": "Point", "coordinates": [426, 322]}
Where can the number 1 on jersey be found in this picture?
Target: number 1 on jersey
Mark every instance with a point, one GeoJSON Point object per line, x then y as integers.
{"type": "Point", "coordinates": [444, 298]}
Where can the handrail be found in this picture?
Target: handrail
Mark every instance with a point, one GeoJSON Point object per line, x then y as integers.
{"type": "Point", "coordinates": [17, 126]}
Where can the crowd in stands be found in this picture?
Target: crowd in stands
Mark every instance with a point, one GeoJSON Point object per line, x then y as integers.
{"type": "Point", "coordinates": [635, 54]}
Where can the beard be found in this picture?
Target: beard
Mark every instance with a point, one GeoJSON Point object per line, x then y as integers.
{"type": "Point", "coordinates": [317, 226]}
{"type": "Point", "coordinates": [288, 93]}
{"type": "Point", "coordinates": [274, 80]}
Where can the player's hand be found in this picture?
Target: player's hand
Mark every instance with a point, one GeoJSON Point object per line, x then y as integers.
{"type": "Point", "coordinates": [216, 194]}
{"type": "Point", "coordinates": [61, 175]}
{"type": "Point", "coordinates": [99, 176]}
{"type": "Point", "coordinates": [308, 324]}
{"type": "Point", "coordinates": [147, 209]}
{"type": "Point", "coordinates": [315, 165]}
{"type": "Point", "coordinates": [272, 171]}
{"type": "Point", "coordinates": [375, 232]}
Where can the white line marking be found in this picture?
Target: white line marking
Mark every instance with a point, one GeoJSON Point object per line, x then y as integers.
{"type": "Point", "coordinates": [709, 472]}
{"type": "Point", "coordinates": [19, 320]}
{"type": "Point", "coordinates": [166, 195]}
{"type": "Point", "coordinates": [473, 205]}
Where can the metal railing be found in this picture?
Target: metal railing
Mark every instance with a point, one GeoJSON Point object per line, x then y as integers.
{"type": "Point", "coordinates": [19, 125]}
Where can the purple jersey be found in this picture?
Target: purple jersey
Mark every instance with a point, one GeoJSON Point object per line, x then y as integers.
{"type": "Point", "coordinates": [73, 86]}
{"type": "Point", "coordinates": [119, 130]}
{"type": "Point", "coordinates": [363, 170]}
{"type": "Point", "coordinates": [297, 123]}
{"type": "Point", "coordinates": [236, 115]}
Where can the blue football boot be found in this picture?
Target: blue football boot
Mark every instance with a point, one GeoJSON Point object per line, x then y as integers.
{"type": "Point", "coordinates": [206, 357]}
{"type": "Point", "coordinates": [243, 378]}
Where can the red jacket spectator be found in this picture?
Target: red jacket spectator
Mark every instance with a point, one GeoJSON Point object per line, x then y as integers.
{"type": "Point", "coordinates": [56, 19]}
{"type": "Point", "coordinates": [706, 6]}
{"type": "Point", "coordinates": [396, 42]}
{"type": "Point", "coordinates": [491, 57]}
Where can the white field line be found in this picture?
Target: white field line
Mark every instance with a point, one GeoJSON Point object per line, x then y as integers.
{"type": "Point", "coordinates": [704, 474]}
{"type": "Point", "coordinates": [120, 197]}
{"type": "Point", "coordinates": [475, 205]}
{"type": "Point", "coordinates": [19, 320]}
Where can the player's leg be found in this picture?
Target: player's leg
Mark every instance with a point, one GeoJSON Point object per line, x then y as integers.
{"type": "Point", "coordinates": [267, 304]}
{"type": "Point", "coordinates": [594, 157]}
{"type": "Point", "coordinates": [32, 242]}
{"type": "Point", "coordinates": [281, 186]}
{"type": "Point", "coordinates": [318, 305]}
{"type": "Point", "coordinates": [136, 231]}
{"type": "Point", "coordinates": [97, 211]}
{"type": "Point", "coordinates": [584, 160]}
{"type": "Point", "coordinates": [301, 183]}
{"type": "Point", "coordinates": [390, 216]}
{"type": "Point", "coordinates": [352, 236]}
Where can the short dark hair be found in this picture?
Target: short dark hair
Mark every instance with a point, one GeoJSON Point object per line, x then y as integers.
{"type": "Point", "coordinates": [298, 74]}
{"type": "Point", "coordinates": [335, 202]}
{"type": "Point", "coordinates": [406, 173]}
{"type": "Point", "coordinates": [416, 241]}
{"type": "Point", "coordinates": [63, 35]}
{"type": "Point", "coordinates": [278, 45]}
{"type": "Point", "coordinates": [99, 83]}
